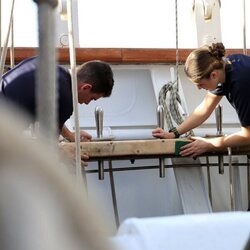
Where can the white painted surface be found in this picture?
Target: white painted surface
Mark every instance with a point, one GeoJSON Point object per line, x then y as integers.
{"type": "Point", "coordinates": [217, 231]}
{"type": "Point", "coordinates": [142, 193]}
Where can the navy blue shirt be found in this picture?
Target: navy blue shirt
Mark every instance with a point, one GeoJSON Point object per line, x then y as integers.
{"type": "Point", "coordinates": [19, 87]}
{"type": "Point", "coordinates": [237, 86]}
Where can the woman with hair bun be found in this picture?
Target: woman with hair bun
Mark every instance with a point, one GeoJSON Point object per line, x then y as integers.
{"type": "Point", "coordinates": [208, 68]}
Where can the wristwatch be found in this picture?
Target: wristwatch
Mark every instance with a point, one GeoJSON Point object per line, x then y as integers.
{"type": "Point", "coordinates": [175, 131]}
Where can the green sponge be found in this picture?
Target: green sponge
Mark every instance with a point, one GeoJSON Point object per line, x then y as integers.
{"type": "Point", "coordinates": [178, 145]}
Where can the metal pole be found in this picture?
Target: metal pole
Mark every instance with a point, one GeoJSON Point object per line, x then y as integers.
{"type": "Point", "coordinates": [113, 193]}
{"type": "Point", "coordinates": [99, 130]}
{"type": "Point", "coordinates": [218, 116]}
{"type": "Point", "coordinates": [248, 181]}
{"type": "Point", "coordinates": [209, 181]}
{"type": "Point", "coordinates": [160, 120]}
{"type": "Point", "coordinates": [232, 200]}
{"type": "Point", "coordinates": [46, 73]}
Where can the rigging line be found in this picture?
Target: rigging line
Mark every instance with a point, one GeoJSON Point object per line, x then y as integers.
{"type": "Point", "coordinates": [12, 53]}
{"type": "Point", "coordinates": [244, 28]}
{"type": "Point", "coordinates": [74, 91]}
{"type": "Point", "coordinates": [169, 96]}
{"type": "Point", "coordinates": [4, 50]}
{"type": "Point", "coordinates": [177, 43]}
{"type": "Point", "coordinates": [0, 27]}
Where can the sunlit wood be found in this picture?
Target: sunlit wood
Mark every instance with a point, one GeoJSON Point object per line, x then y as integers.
{"type": "Point", "coordinates": [114, 55]}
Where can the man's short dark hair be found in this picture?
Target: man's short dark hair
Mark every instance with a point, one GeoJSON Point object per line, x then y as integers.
{"type": "Point", "coordinates": [97, 73]}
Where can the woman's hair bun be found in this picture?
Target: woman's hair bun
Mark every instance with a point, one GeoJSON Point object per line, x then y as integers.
{"type": "Point", "coordinates": [217, 50]}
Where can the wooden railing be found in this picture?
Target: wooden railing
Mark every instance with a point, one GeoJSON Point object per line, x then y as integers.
{"type": "Point", "coordinates": [114, 55]}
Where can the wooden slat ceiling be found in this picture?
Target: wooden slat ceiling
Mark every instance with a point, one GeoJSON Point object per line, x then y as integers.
{"type": "Point", "coordinates": [114, 55]}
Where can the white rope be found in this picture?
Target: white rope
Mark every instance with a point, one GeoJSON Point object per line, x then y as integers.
{"type": "Point", "coordinates": [0, 28]}
{"type": "Point", "coordinates": [74, 91]}
{"type": "Point", "coordinates": [12, 53]}
{"type": "Point", "coordinates": [169, 98]}
{"type": "Point", "coordinates": [5, 46]}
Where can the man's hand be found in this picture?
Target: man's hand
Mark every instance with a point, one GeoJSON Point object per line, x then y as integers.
{"type": "Point", "coordinates": [68, 151]}
{"type": "Point", "coordinates": [84, 136]}
{"type": "Point", "coordinates": [70, 136]}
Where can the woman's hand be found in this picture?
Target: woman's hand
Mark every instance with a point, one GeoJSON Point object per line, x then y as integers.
{"type": "Point", "coordinates": [161, 133]}
{"type": "Point", "coordinates": [198, 146]}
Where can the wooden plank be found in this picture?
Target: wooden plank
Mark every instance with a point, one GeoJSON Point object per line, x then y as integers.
{"type": "Point", "coordinates": [129, 148]}
{"type": "Point", "coordinates": [150, 148]}
{"type": "Point", "coordinates": [153, 55]}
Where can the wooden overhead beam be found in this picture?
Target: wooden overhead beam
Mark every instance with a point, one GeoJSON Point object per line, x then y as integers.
{"type": "Point", "coordinates": [114, 55]}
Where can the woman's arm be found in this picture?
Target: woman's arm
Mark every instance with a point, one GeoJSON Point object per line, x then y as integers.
{"type": "Point", "coordinates": [195, 119]}
{"type": "Point", "coordinates": [202, 145]}
{"type": "Point", "coordinates": [200, 114]}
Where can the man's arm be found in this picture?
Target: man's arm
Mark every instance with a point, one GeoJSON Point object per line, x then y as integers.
{"type": "Point", "coordinates": [70, 136]}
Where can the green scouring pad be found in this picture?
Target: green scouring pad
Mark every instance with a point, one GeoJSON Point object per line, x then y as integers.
{"type": "Point", "coordinates": [178, 145]}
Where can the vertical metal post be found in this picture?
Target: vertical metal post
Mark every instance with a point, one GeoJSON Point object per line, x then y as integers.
{"type": "Point", "coordinates": [99, 121]}
{"type": "Point", "coordinates": [209, 181]}
{"type": "Point", "coordinates": [218, 117]}
{"type": "Point", "coordinates": [232, 200]}
{"type": "Point", "coordinates": [236, 184]}
{"type": "Point", "coordinates": [248, 181]}
{"type": "Point", "coordinates": [46, 73]}
{"type": "Point", "coordinates": [113, 194]}
{"type": "Point", "coordinates": [99, 130]}
{"type": "Point", "coordinates": [160, 121]}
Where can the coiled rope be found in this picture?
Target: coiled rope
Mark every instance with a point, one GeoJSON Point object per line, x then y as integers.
{"type": "Point", "coordinates": [169, 96]}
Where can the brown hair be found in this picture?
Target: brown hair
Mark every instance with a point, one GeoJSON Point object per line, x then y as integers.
{"type": "Point", "coordinates": [97, 73]}
{"type": "Point", "coordinates": [202, 61]}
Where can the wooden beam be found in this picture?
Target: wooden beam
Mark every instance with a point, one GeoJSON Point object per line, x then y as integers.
{"type": "Point", "coordinates": [128, 148]}
{"type": "Point", "coordinates": [114, 55]}
{"type": "Point", "coordinates": [132, 149]}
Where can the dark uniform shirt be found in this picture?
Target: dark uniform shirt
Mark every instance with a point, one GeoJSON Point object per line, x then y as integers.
{"type": "Point", "coordinates": [237, 86]}
{"type": "Point", "coordinates": [19, 87]}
